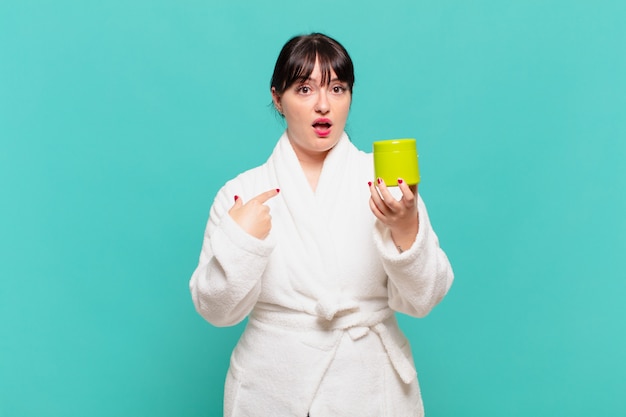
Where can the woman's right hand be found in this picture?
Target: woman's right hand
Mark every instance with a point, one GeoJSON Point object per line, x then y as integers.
{"type": "Point", "coordinates": [254, 216]}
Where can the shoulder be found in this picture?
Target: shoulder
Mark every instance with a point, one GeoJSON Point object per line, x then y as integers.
{"type": "Point", "coordinates": [358, 155]}
{"type": "Point", "coordinates": [245, 185]}
{"type": "Point", "coordinates": [248, 183]}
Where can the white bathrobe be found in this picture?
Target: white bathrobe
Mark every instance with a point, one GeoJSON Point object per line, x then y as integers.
{"type": "Point", "coordinates": [320, 293]}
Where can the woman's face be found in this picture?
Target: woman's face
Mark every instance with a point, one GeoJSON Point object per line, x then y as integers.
{"type": "Point", "coordinates": [316, 114]}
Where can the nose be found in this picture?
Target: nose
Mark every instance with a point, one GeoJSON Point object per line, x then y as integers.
{"type": "Point", "coordinates": [322, 105]}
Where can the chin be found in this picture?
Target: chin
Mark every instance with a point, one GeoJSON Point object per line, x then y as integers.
{"type": "Point", "coordinates": [328, 143]}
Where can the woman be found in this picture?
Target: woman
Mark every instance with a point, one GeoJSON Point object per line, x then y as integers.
{"type": "Point", "coordinates": [294, 246]}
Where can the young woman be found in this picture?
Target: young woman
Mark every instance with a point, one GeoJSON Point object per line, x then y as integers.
{"type": "Point", "coordinates": [319, 256]}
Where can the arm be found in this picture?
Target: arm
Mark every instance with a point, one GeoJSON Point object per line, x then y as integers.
{"type": "Point", "coordinates": [227, 281]}
{"type": "Point", "coordinates": [419, 273]}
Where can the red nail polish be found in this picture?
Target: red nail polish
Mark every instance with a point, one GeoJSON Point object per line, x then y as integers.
{"type": "Point", "coordinates": [278, 190]}
{"type": "Point", "coordinates": [400, 181]}
{"type": "Point", "coordinates": [369, 183]}
{"type": "Point", "coordinates": [379, 180]}
{"type": "Point", "coordinates": [236, 197]}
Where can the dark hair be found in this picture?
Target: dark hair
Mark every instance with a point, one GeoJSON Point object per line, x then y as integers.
{"type": "Point", "coordinates": [296, 61]}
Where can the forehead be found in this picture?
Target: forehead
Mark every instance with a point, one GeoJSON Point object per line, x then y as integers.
{"type": "Point", "coordinates": [317, 75]}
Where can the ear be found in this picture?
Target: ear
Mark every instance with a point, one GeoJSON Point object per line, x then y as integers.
{"type": "Point", "coordinates": [276, 100]}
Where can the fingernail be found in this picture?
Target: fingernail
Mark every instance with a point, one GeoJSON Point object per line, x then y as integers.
{"type": "Point", "coordinates": [400, 181]}
{"type": "Point", "coordinates": [379, 180]}
{"type": "Point", "coordinates": [278, 190]}
{"type": "Point", "coordinates": [236, 197]}
{"type": "Point", "coordinates": [369, 183]}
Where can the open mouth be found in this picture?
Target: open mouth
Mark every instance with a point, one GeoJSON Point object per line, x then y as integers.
{"type": "Point", "coordinates": [322, 126]}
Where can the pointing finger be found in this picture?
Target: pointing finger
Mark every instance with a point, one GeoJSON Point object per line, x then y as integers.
{"type": "Point", "coordinates": [263, 197]}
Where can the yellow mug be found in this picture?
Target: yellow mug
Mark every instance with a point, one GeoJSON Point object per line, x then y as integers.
{"type": "Point", "coordinates": [396, 158]}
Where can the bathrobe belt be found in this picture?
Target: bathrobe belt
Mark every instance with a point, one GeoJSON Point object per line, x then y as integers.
{"type": "Point", "coordinates": [345, 315]}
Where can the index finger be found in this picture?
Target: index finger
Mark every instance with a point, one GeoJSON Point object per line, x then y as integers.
{"type": "Point", "coordinates": [384, 192]}
{"type": "Point", "coordinates": [263, 197]}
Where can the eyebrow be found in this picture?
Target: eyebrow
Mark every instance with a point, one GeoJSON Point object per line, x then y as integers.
{"type": "Point", "coordinates": [314, 80]}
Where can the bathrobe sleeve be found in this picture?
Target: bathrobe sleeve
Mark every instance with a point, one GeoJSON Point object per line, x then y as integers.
{"type": "Point", "coordinates": [227, 281]}
{"type": "Point", "coordinates": [419, 277]}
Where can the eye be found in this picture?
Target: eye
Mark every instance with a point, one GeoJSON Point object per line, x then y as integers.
{"type": "Point", "coordinates": [339, 89]}
{"type": "Point", "coordinates": [304, 89]}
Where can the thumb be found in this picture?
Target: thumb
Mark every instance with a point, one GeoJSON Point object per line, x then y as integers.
{"type": "Point", "coordinates": [238, 202]}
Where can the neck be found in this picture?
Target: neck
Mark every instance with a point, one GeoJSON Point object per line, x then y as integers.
{"type": "Point", "coordinates": [311, 163]}
{"type": "Point", "coordinates": [312, 170]}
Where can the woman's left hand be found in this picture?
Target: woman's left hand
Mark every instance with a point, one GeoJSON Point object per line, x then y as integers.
{"type": "Point", "coordinates": [400, 216]}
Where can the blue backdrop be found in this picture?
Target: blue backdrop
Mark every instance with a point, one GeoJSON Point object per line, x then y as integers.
{"type": "Point", "coordinates": [119, 121]}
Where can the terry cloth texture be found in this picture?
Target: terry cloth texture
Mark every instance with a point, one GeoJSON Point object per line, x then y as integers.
{"type": "Point", "coordinates": [320, 292]}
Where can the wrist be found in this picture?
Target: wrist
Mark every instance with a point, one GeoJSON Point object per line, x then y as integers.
{"type": "Point", "coordinates": [405, 237]}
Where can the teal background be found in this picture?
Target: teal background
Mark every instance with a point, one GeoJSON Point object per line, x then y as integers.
{"type": "Point", "coordinates": [119, 121]}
